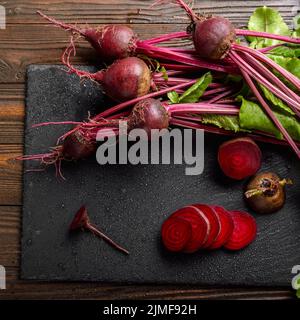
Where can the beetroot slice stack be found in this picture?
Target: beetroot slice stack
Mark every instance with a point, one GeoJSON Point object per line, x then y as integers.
{"type": "Point", "coordinates": [201, 226]}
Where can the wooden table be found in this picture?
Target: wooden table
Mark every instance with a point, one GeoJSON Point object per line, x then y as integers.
{"type": "Point", "coordinates": [28, 39]}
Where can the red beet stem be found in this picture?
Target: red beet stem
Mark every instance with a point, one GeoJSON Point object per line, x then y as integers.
{"type": "Point", "coordinates": [202, 108]}
{"type": "Point", "coordinates": [261, 79]}
{"type": "Point", "coordinates": [126, 104]}
{"type": "Point", "coordinates": [164, 53]}
{"type": "Point", "coordinates": [258, 136]}
{"type": "Point", "coordinates": [214, 91]}
{"type": "Point", "coordinates": [221, 95]}
{"type": "Point", "coordinates": [268, 74]}
{"type": "Point", "coordinates": [60, 24]}
{"type": "Point", "coordinates": [262, 57]}
{"type": "Point", "coordinates": [260, 34]}
{"type": "Point", "coordinates": [270, 113]}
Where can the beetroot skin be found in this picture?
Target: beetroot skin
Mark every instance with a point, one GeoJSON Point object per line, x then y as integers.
{"type": "Point", "coordinates": [213, 37]}
{"type": "Point", "coordinates": [112, 42]}
{"type": "Point", "coordinates": [149, 114]}
{"type": "Point", "coordinates": [76, 147]}
{"type": "Point", "coordinates": [127, 79]}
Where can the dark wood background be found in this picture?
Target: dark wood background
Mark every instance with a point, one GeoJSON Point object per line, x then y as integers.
{"type": "Point", "coordinates": [28, 39]}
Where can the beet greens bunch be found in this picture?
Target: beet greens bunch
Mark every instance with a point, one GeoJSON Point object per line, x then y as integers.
{"type": "Point", "coordinates": [252, 88]}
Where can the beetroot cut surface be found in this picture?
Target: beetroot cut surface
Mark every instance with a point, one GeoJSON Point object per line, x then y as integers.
{"type": "Point", "coordinates": [200, 227]}
{"type": "Point", "coordinates": [226, 227]}
{"type": "Point", "coordinates": [176, 233]}
{"type": "Point", "coordinates": [244, 231]}
{"type": "Point", "coordinates": [213, 222]}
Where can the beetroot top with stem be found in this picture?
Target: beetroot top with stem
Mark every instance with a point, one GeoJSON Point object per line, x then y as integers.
{"type": "Point", "coordinates": [214, 38]}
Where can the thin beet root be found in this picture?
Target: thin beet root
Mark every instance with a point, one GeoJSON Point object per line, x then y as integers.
{"type": "Point", "coordinates": [82, 221]}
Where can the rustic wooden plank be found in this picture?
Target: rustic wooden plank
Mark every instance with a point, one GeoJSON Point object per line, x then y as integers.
{"type": "Point", "coordinates": [133, 11]}
{"type": "Point", "coordinates": [11, 120]}
{"type": "Point", "coordinates": [10, 175]}
{"type": "Point", "coordinates": [11, 92]}
{"type": "Point", "coordinates": [10, 235]}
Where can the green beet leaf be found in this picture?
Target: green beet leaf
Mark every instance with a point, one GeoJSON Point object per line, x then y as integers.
{"type": "Point", "coordinates": [267, 20]}
{"type": "Point", "coordinates": [290, 64]}
{"type": "Point", "coordinates": [277, 103]}
{"type": "Point", "coordinates": [195, 92]}
{"type": "Point", "coordinates": [253, 117]}
{"type": "Point", "coordinates": [225, 122]}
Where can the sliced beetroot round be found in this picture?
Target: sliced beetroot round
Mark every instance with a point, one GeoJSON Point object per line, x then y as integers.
{"type": "Point", "coordinates": [200, 227]}
{"type": "Point", "coordinates": [226, 227]}
{"type": "Point", "coordinates": [239, 158]}
{"type": "Point", "coordinates": [244, 230]}
{"type": "Point", "coordinates": [214, 223]}
{"type": "Point", "coordinates": [176, 233]}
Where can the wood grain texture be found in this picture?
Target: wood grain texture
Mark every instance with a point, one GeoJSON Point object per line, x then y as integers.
{"type": "Point", "coordinates": [29, 39]}
{"type": "Point", "coordinates": [131, 11]}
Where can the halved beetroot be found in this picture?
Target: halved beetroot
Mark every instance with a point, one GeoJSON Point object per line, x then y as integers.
{"type": "Point", "coordinates": [244, 230]}
{"type": "Point", "coordinates": [200, 227]}
{"type": "Point", "coordinates": [226, 227]}
{"type": "Point", "coordinates": [213, 222]}
{"type": "Point", "coordinates": [176, 233]}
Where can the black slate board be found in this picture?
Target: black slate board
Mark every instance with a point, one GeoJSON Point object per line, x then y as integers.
{"type": "Point", "coordinates": [130, 203]}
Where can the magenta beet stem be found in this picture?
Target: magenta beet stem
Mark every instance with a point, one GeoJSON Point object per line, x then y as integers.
{"type": "Point", "coordinates": [258, 136]}
{"type": "Point", "coordinates": [271, 114]}
{"type": "Point", "coordinates": [260, 34]}
{"type": "Point", "coordinates": [260, 56]}
{"type": "Point", "coordinates": [180, 67]}
{"type": "Point", "coordinates": [260, 78]}
{"type": "Point", "coordinates": [268, 74]}
{"type": "Point", "coordinates": [164, 53]}
{"type": "Point", "coordinates": [221, 96]}
{"type": "Point", "coordinates": [202, 108]}
{"type": "Point", "coordinates": [126, 104]}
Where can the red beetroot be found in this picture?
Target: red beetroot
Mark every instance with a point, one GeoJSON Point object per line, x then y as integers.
{"type": "Point", "coordinates": [239, 158]}
{"type": "Point", "coordinates": [212, 37]}
{"type": "Point", "coordinates": [149, 114]}
{"type": "Point", "coordinates": [77, 147]}
{"type": "Point", "coordinates": [226, 227]}
{"type": "Point", "coordinates": [200, 227]}
{"type": "Point", "coordinates": [213, 222]}
{"type": "Point", "coordinates": [111, 42]}
{"type": "Point", "coordinates": [124, 80]}
{"type": "Point", "coordinates": [244, 231]}
{"type": "Point", "coordinates": [176, 233]}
